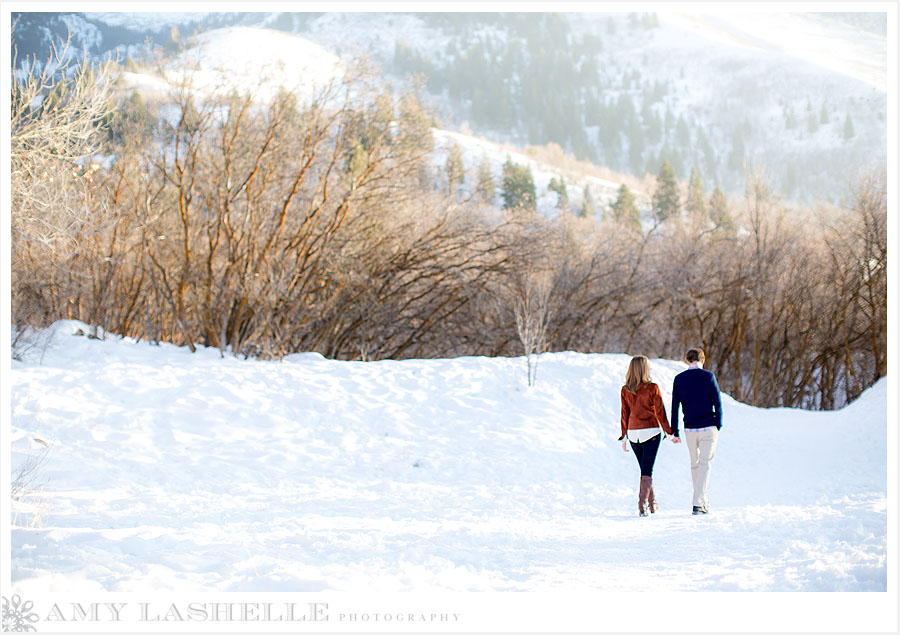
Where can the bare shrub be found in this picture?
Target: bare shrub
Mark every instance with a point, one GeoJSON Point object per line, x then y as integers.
{"type": "Point", "coordinates": [531, 306]}
{"type": "Point", "coordinates": [57, 112]}
{"type": "Point", "coordinates": [27, 486]}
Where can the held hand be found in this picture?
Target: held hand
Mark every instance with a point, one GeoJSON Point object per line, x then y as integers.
{"type": "Point", "coordinates": [676, 440]}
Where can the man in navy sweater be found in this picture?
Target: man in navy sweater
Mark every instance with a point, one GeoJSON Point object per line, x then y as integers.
{"type": "Point", "coordinates": [697, 392]}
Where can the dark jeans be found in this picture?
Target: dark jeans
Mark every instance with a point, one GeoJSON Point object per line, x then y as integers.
{"type": "Point", "coordinates": [646, 454]}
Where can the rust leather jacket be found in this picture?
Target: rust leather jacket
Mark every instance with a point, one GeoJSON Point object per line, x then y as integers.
{"type": "Point", "coordinates": [643, 409]}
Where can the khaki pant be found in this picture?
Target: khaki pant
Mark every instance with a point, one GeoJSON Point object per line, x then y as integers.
{"type": "Point", "coordinates": [701, 444]}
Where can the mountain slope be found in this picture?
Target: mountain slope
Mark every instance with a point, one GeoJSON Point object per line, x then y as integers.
{"type": "Point", "coordinates": [263, 61]}
{"type": "Point", "coordinates": [801, 93]}
{"type": "Point", "coordinates": [258, 61]}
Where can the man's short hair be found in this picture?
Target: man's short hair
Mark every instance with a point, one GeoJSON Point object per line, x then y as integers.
{"type": "Point", "coordinates": [695, 355]}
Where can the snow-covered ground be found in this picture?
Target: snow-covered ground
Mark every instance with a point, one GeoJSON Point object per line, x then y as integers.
{"type": "Point", "coordinates": [179, 472]}
{"type": "Point", "coordinates": [255, 61]}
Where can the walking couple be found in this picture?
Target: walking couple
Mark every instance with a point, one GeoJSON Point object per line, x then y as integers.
{"type": "Point", "coordinates": [643, 414]}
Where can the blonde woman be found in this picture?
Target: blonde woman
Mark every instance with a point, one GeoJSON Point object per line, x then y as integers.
{"type": "Point", "coordinates": [643, 421]}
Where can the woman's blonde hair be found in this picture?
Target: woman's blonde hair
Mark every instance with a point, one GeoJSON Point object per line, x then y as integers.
{"type": "Point", "coordinates": [638, 373]}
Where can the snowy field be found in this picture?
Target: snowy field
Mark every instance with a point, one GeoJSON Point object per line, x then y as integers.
{"type": "Point", "coordinates": [171, 471]}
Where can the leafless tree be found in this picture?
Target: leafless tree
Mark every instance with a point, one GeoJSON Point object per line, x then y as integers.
{"type": "Point", "coordinates": [531, 294]}
{"type": "Point", "coordinates": [58, 108]}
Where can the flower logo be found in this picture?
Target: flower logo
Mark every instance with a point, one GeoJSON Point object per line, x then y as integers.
{"type": "Point", "coordinates": [17, 615]}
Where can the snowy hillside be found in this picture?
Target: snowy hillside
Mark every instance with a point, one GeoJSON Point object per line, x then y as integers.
{"type": "Point", "coordinates": [254, 61]}
{"type": "Point", "coordinates": [263, 61]}
{"type": "Point", "coordinates": [472, 150]}
{"type": "Point", "coordinates": [804, 37]}
{"type": "Point", "coordinates": [801, 37]}
{"type": "Point", "coordinates": [773, 89]}
{"type": "Point", "coordinates": [258, 61]}
{"type": "Point", "coordinates": [802, 94]}
{"type": "Point", "coordinates": [172, 471]}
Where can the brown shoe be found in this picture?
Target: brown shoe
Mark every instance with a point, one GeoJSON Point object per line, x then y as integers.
{"type": "Point", "coordinates": [651, 500]}
{"type": "Point", "coordinates": [643, 494]}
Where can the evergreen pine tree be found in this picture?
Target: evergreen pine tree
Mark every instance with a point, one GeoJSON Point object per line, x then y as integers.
{"type": "Point", "coordinates": [682, 134]}
{"type": "Point", "coordinates": [562, 200]}
{"type": "Point", "coordinates": [670, 120]}
{"type": "Point", "coordinates": [737, 156]}
{"type": "Point", "coordinates": [812, 123]}
{"type": "Point", "coordinates": [485, 187]}
{"type": "Point", "coordinates": [454, 166]}
{"type": "Point", "coordinates": [624, 209]}
{"type": "Point", "coordinates": [518, 186]}
{"type": "Point", "coordinates": [695, 204]}
{"type": "Point", "coordinates": [849, 132]}
{"type": "Point", "coordinates": [358, 157]}
{"type": "Point", "coordinates": [666, 203]}
{"type": "Point", "coordinates": [709, 155]}
{"type": "Point", "coordinates": [650, 20]}
{"type": "Point", "coordinates": [652, 125]}
{"type": "Point", "coordinates": [718, 210]}
{"type": "Point", "coordinates": [635, 147]}
{"type": "Point", "coordinates": [587, 204]}
{"type": "Point", "coordinates": [790, 120]}
{"type": "Point", "coordinates": [414, 124]}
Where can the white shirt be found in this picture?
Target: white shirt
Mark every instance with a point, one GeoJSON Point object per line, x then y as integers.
{"type": "Point", "coordinates": [642, 435]}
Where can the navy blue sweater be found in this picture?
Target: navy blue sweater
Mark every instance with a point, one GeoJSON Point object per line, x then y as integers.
{"type": "Point", "coordinates": [697, 392]}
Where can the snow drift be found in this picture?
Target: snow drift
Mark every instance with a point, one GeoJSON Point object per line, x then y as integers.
{"type": "Point", "coordinates": [260, 62]}
{"type": "Point", "coordinates": [174, 471]}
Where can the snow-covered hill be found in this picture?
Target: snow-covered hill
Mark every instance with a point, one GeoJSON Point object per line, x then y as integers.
{"type": "Point", "coordinates": [172, 471]}
{"type": "Point", "coordinates": [805, 37]}
{"type": "Point", "coordinates": [256, 61]}
{"type": "Point", "coordinates": [772, 89]}
{"type": "Point", "coordinates": [262, 61]}
{"type": "Point", "coordinates": [802, 94]}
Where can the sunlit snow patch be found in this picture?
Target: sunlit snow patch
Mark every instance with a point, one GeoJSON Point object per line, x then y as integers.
{"type": "Point", "coordinates": [256, 61]}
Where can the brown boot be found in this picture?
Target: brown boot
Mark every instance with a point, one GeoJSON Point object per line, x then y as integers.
{"type": "Point", "coordinates": [651, 500]}
{"type": "Point", "coordinates": [643, 495]}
